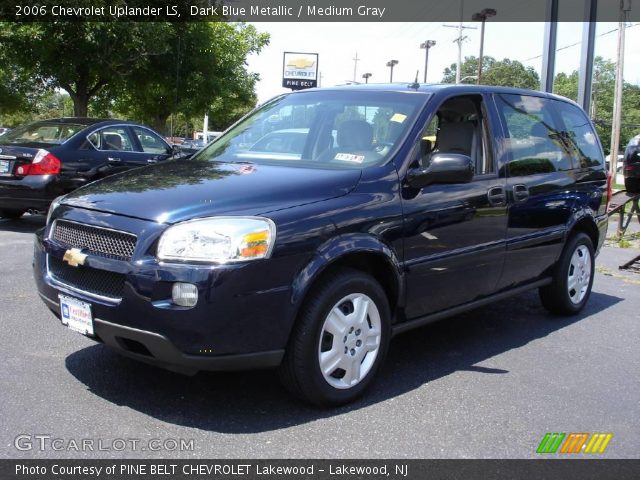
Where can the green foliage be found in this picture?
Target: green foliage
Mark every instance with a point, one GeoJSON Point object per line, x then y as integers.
{"type": "Point", "coordinates": [144, 71]}
{"type": "Point", "coordinates": [202, 69]}
{"type": "Point", "coordinates": [504, 73]}
{"type": "Point", "coordinates": [83, 58]}
{"type": "Point", "coordinates": [47, 105]}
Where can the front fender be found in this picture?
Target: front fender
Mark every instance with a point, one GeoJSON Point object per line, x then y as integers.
{"type": "Point", "coordinates": [339, 248]}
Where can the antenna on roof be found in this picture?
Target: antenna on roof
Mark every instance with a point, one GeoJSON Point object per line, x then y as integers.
{"type": "Point", "coordinates": [415, 83]}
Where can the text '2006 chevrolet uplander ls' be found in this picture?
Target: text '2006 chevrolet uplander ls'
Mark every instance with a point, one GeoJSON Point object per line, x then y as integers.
{"type": "Point", "coordinates": [371, 210]}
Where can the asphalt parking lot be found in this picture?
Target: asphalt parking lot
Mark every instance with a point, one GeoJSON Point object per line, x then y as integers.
{"type": "Point", "coordinates": [486, 384]}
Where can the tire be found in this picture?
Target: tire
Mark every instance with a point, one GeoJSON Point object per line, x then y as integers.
{"type": "Point", "coordinates": [570, 289]}
{"type": "Point", "coordinates": [339, 341]}
{"type": "Point", "coordinates": [632, 184]}
{"type": "Point", "coordinates": [11, 214]}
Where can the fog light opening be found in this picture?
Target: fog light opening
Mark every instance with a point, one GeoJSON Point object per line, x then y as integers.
{"type": "Point", "coordinates": [184, 294]}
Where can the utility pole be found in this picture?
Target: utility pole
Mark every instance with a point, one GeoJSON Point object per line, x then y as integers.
{"type": "Point", "coordinates": [427, 44]}
{"type": "Point", "coordinates": [366, 77]}
{"type": "Point", "coordinates": [461, 38]}
{"type": "Point", "coordinates": [625, 6]}
{"type": "Point", "coordinates": [482, 17]}
{"type": "Point", "coordinates": [391, 64]}
{"type": "Point", "coordinates": [355, 66]}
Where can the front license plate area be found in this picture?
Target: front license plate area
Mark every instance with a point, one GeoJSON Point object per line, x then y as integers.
{"type": "Point", "coordinates": [76, 315]}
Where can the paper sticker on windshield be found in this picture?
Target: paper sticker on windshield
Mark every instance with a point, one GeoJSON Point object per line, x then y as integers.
{"type": "Point", "coordinates": [398, 117]}
{"type": "Point", "coordinates": [349, 157]}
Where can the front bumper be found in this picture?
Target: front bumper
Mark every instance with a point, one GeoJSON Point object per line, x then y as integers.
{"type": "Point", "coordinates": [242, 319]}
{"type": "Point", "coordinates": [158, 350]}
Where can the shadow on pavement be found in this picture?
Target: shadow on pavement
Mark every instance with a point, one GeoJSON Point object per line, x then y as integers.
{"type": "Point", "coordinates": [25, 224]}
{"type": "Point", "coordinates": [249, 402]}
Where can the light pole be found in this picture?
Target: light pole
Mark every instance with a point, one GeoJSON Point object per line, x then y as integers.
{"type": "Point", "coordinates": [482, 16]}
{"type": "Point", "coordinates": [366, 77]}
{"type": "Point", "coordinates": [391, 64]}
{"type": "Point", "coordinates": [427, 44]}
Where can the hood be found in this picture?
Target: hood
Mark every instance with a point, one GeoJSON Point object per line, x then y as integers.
{"type": "Point", "coordinates": [178, 190]}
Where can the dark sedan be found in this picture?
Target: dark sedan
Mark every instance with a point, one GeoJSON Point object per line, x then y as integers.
{"type": "Point", "coordinates": [46, 159]}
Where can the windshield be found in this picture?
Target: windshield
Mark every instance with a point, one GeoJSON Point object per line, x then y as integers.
{"type": "Point", "coordinates": [321, 129]}
{"type": "Point", "coordinates": [46, 132]}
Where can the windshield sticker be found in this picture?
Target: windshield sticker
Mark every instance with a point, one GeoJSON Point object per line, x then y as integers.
{"type": "Point", "coordinates": [398, 117]}
{"type": "Point", "coordinates": [349, 157]}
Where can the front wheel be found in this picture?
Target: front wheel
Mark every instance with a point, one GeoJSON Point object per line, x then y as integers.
{"type": "Point", "coordinates": [569, 291]}
{"type": "Point", "coordinates": [340, 339]}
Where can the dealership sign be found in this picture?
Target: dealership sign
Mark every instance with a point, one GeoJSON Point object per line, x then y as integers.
{"type": "Point", "coordinates": [300, 70]}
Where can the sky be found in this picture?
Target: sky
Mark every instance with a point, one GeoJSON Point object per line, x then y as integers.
{"type": "Point", "coordinates": [377, 43]}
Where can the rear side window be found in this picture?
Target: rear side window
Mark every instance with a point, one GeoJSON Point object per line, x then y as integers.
{"type": "Point", "coordinates": [535, 137]}
{"type": "Point", "coordinates": [149, 142]}
{"type": "Point", "coordinates": [580, 135]}
{"type": "Point", "coordinates": [112, 139]}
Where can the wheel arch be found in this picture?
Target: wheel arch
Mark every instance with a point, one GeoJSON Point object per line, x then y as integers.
{"type": "Point", "coordinates": [359, 252]}
{"type": "Point", "coordinates": [587, 225]}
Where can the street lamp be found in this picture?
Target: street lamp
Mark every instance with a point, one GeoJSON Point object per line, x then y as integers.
{"type": "Point", "coordinates": [482, 16]}
{"type": "Point", "coordinates": [366, 77]}
{"type": "Point", "coordinates": [391, 64]}
{"type": "Point", "coordinates": [426, 45]}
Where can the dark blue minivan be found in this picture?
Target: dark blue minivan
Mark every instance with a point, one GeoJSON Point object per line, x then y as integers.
{"type": "Point", "coordinates": [325, 222]}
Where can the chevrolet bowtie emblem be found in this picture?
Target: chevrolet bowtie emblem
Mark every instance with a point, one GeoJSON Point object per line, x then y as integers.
{"type": "Point", "coordinates": [300, 63]}
{"type": "Point", "coordinates": [74, 257]}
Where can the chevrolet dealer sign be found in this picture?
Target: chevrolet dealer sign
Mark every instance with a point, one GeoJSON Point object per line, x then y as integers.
{"type": "Point", "coordinates": [300, 70]}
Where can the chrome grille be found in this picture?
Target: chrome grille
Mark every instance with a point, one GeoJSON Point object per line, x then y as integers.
{"type": "Point", "coordinates": [90, 280]}
{"type": "Point", "coordinates": [95, 240]}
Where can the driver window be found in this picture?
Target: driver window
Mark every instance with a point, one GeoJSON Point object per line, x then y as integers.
{"type": "Point", "coordinates": [459, 126]}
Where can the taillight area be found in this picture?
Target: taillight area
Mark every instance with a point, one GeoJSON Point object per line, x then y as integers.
{"type": "Point", "coordinates": [44, 163]}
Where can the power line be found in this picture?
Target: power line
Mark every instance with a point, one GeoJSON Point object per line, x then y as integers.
{"type": "Point", "coordinates": [578, 43]}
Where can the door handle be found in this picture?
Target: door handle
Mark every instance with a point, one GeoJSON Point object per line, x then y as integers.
{"type": "Point", "coordinates": [497, 196]}
{"type": "Point", "coordinates": [520, 193]}
{"type": "Point", "coordinates": [113, 159]}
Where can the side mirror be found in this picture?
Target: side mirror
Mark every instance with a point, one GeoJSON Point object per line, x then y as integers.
{"type": "Point", "coordinates": [443, 168]}
{"type": "Point", "coordinates": [175, 150]}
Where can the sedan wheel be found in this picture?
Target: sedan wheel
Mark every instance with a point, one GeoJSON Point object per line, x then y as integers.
{"type": "Point", "coordinates": [11, 214]}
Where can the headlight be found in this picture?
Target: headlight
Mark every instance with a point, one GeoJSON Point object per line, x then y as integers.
{"type": "Point", "coordinates": [218, 239]}
{"type": "Point", "coordinates": [53, 206]}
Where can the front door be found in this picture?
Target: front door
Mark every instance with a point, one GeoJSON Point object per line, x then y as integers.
{"type": "Point", "coordinates": [455, 233]}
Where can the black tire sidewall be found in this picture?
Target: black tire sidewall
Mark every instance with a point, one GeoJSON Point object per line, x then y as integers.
{"type": "Point", "coordinates": [11, 214]}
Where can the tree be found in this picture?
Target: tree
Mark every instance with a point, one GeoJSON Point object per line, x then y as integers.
{"type": "Point", "coordinates": [506, 73]}
{"type": "Point", "coordinates": [83, 58]}
{"type": "Point", "coordinates": [17, 89]}
{"type": "Point", "coordinates": [202, 69]}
